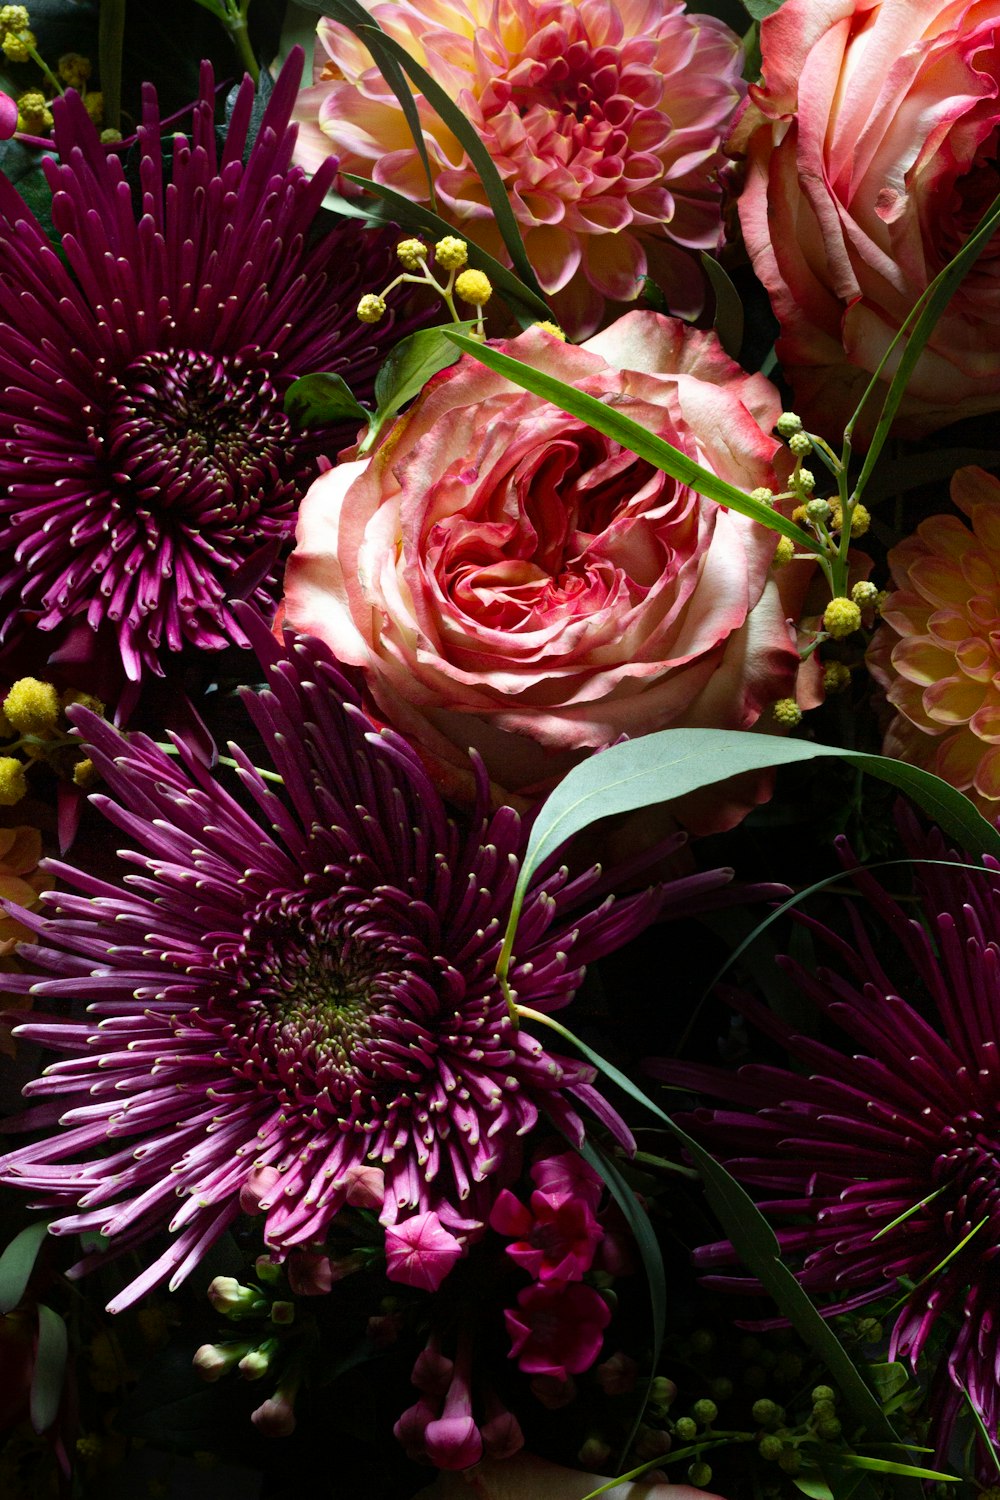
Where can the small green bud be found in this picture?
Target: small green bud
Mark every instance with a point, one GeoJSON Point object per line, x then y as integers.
{"type": "Point", "coordinates": [828, 1429]}
{"type": "Point", "coordinates": [686, 1429]}
{"type": "Point", "coordinates": [700, 1474]}
{"type": "Point", "coordinates": [788, 424]}
{"type": "Point", "coordinates": [823, 1393]}
{"type": "Point", "coordinates": [770, 1447]}
{"type": "Point", "coordinates": [790, 1461]}
{"type": "Point", "coordinates": [705, 1412]}
{"type": "Point", "coordinates": [702, 1341]}
{"type": "Point", "coordinates": [766, 1412]}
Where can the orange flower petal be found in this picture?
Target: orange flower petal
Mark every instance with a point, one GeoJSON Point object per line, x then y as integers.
{"type": "Point", "coordinates": [953, 700]}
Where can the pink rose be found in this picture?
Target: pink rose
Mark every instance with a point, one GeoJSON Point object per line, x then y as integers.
{"type": "Point", "coordinates": [420, 1252]}
{"type": "Point", "coordinates": [871, 154]}
{"type": "Point", "coordinates": [506, 578]}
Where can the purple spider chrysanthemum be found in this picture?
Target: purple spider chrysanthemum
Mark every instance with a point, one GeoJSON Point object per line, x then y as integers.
{"type": "Point", "coordinates": [148, 472]}
{"type": "Point", "coordinates": [886, 1164]}
{"type": "Point", "coordinates": [310, 989]}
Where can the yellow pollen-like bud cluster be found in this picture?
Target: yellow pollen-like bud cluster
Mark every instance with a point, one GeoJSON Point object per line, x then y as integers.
{"type": "Point", "coordinates": [552, 328]}
{"type": "Point", "coordinates": [861, 519]}
{"type": "Point", "coordinates": [33, 113]}
{"type": "Point", "coordinates": [410, 253]}
{"type": "Point", "coordinates": [800, 444]}
{"type": "Point", "coordinates": [93, 103]}
{"type": "Point", "coordinates": [787, 712]}
{"type": "Point", "coordinates": [86, 700]}
{"type": "Point", "coordinates": [864, 593]}
{"type": "Point", "coordinates": [841, 618]}
{"type": "Point", "coordinates": [762, 494]}
{"type": "Point", "coordinates": [836, 676]}
{"type": "Point", "coordinates": [371, 308]}
{"type": "Point", "coordinates": [31, 706]}
{"type": "Point", "coordinates": [13, 17]}
{"type": "Point", "coordinates": [17, 45]}
{"type": "Point", "coordinates": [783, 552]}
{"type": "Point", "coordinates": [474, 287]}
{"type": "Point", "coordinates": [13, 785]}
{"type": "Point", "coordinates": [74, 69]}
{"type": "Point", "coordinates": [788, 424]}
{"type": "Point", "coordinates": [85, 774]}
{"type": "Point", "coordinates": [451, 254]}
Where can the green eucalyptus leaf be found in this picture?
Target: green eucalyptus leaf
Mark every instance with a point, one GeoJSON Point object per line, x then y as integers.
{"type": "Point", "coordinates": [889, 1379]}
{"type": "Point", "coordinates": [673, 762]}
{"type": "Point", "coordinates": [319, 399]}
{"type": "Point", "coordinates": [759, 10]}
{"type": "Point", "coordinates": [405, 373]}
{"type": "Point", "coordinates": [17, 1264]}
{"type": "Point", "coordinates": [527, 305]}
{"type": "Point", "coordinates": [50, 1369]}
{"type": "Point", "coordinates": [728, 321]}
{"type": "Point", "coordinates": [813, 1485]}
{"type": "Point", "coordinates": [607, 416]}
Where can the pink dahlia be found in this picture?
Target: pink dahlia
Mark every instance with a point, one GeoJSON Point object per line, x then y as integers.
{"type": "Point", "coordinates": [604, 119]}
{"type": "Point", "coordinates": [304, 981]}
{"type": "Point", "coordinates": [148, 472]}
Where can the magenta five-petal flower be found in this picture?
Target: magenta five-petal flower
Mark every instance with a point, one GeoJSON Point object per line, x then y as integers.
{"type": "Point", "coordinates": [310, 986]}
{"type": "Point", "coordinates": [881, 1163]}
{"type": "Point", "coordinates": [148, 471]}
{"type": "Point", "coordinates": [557, 1330]}
{"type": "Point", "coordinates": [554, 1239]}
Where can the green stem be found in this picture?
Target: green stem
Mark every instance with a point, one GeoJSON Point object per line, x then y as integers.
{"type": "Point", "coordinates": [40, 62]}
{"type": "Point", "coordinates": [110, 35]}
{"type": "Point", "coordinates": [236, 25]}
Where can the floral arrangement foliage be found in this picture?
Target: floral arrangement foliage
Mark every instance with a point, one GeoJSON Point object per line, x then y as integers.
{"type": "Point", "coordinates": [551, 450]}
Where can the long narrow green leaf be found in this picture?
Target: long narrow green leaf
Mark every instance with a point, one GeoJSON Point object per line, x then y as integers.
{"type": "Point", "coordinates": [652, 1259]}
{"type": "Point", "coordinates": [755, 1242]}
{"type": "Point", "coordinates": [928, 308]}
{"type": "Point", "coordinates": [673, 762]}
{"type": "Point", "coordinates": [419, 216]}
{"type": "Point", "coordinates": [886, 1466]}
{"type": "Point", "coordinates": [364, 26]}
{"type": "Point", "coordinates": [477, 152]}
{"type": "Point", "coordinates": [605, 417]}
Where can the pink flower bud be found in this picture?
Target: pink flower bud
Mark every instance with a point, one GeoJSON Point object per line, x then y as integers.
{"type": "Point", "coordinates": [276, 1417]}
{"type": "Point", "coordinates": [420, 1251]}
{"type": "Point", "coordinates": [258, 1187]}
{"type": "Point", "coordinates": [365, 1187]}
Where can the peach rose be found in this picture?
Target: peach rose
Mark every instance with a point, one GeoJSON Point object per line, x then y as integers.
{"type": "Point", "coordinates": [871, 150]}
{"type": "Point", "coordinates": [506, 578]}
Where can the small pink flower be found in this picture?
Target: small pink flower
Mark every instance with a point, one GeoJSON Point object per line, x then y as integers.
{"type": "Point", "coordinates": [554, 1239]}
{"type": "Point", "coordinates": [420, 1252]}
{"type": "Point", "coordinates": [604, 119]}
{"type": "Point", "coordinates": [567, 1175]}
{"type": "Point", "coordinates": [8, 116]}
{"type": "Point", "coordinates": [309, 1273]}
{"type": "Point", "coordinates": [557, 1330]}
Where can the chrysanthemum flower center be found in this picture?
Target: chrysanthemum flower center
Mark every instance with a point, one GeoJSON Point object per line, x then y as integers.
{"type": "Point", "coordinates": [968, 1169]}
{"type": "Point", "coordinates": [189, 431]}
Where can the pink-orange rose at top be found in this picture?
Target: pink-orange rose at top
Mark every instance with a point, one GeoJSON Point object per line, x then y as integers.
{"type": "Point", "coordinates": [937, 653]}
{"type": "Point", "coordinates": [871, 148]}
{"type": "Point", "coordinates": [506, 578]}
{"type": "Point", "coordinates": [604, 118]}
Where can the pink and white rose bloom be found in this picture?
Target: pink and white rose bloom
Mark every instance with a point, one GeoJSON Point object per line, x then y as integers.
{"type": "Point", "coordinates": [604, 118]}
{"type": "Point", "coordinates": [871, 149]}
{"type": "Point", "coordinates": [508, 579]}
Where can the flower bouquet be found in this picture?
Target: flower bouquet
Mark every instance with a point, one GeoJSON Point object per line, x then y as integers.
{"type": "Point", "coordinates": [500, 749]}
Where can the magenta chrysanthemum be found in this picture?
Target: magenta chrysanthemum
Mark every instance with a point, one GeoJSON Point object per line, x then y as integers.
{"type": "Point", "coordinates": [148, 472]}
{"type": "Point", "coordinates": [311, 989]}
{"type": "Point", "coordinates": [886, 1164]}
